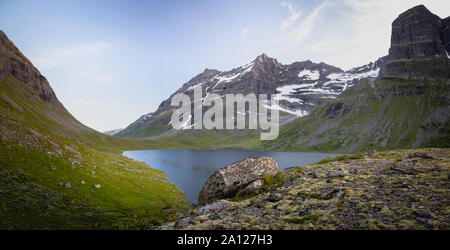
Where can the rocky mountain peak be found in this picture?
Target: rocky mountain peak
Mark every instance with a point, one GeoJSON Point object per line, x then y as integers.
{"type": "Point", "coordinates": [208, 72]}
{"type": "Point", "coordinates": [263, 59]}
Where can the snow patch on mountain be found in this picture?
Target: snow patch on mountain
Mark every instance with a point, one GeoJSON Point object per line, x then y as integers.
{"type": "Point", "coordinates": [288, 90]}
{"type": "Point", "coordinates": [309, 74]}
{"type": "Point", "coordinates": [345, 78]}
{"type": "Point", "coordinates": [226, 78]}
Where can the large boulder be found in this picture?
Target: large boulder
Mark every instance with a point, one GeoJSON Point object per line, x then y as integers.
{"type": "Point", "coordinates": [228, 181]}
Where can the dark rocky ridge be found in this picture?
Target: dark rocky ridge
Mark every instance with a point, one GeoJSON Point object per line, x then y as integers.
{"type": "Point", "coordinates": [417, 35]}
{"type": "Point", "coordinates": [14, 63]}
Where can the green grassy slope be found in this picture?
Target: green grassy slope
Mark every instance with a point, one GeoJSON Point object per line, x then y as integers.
{"type": "Point", "coordinates": [49, 164]}
{"type": "Point", "coordinates": [385, 114]}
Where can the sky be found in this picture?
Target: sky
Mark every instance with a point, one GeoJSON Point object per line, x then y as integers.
{"type": "Point", "coordinates": [111, 61]}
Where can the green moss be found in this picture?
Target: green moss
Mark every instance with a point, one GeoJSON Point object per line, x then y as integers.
{"type": "Point", "coordinates": [303, 220]}
{"type": "Point", "coordinates": [340, 158]}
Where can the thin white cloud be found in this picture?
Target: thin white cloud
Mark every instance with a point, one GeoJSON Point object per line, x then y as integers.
{"type": "Point", "coordinates": [245, 31]}
{"type": "Point", "coordinates": [306, 26]}
{"type": "Point", "coordinates": [293, 15]}
{"type": "Point", "coordinates": [362, 32]}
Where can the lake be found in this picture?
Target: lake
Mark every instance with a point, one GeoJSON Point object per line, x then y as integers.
{"type": "Point", "coordinates": [189, 169]}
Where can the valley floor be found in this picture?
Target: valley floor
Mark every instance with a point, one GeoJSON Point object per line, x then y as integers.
{"type": "Point", "coordinates": [401, 189]}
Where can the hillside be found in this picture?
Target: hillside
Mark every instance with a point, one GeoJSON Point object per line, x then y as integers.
{"type": "Point", "coordinates": [58, 173]}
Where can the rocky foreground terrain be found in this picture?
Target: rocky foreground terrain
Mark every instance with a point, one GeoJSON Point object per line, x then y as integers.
{"type": "Point", "coordinates": [405, 189]}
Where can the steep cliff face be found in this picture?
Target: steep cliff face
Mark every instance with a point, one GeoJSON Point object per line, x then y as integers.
{"type": "Point", "coordinates": [14, 63]}
{"type": "Point", "coordinates": [445, 34]}
{"type": "Point", "coordinates": [418, 35]}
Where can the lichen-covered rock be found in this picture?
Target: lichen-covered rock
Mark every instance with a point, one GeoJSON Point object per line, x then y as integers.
{"type": "Point", "coordinates": [251, 189]}
{"type": "Point", "coordinates": [226, 182]}
{"type": "Point", "coordinates": [213, 207]}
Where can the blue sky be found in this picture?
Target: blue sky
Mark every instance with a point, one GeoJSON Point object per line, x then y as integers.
{"type": "Point", "coordinates": [111, 61]}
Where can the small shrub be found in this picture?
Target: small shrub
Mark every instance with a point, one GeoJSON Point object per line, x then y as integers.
{"type": "Point", "coordinates": [340, 158]}
{"type": "Point", "coordinates": [268, 179]}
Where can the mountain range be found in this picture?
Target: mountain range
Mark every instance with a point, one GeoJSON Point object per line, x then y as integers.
{"type": "Point", "coordinates": [400, 100]}
{"type": "Point", "coordinates": [298, 87]}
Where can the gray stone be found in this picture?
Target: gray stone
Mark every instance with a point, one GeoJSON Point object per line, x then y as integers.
{"type": "Point", "coordinates": [226, 182]}
{"type": "Point", "coordinates": [183, 223]}
{"type": "Point", "coordinates": [213, 207]}
{"type": "Point", "coordinates": [337, 174]}
{"type": "Point", "coordinates": [251, 189]}
{"type": "Point", "coordinates": [274, 197]}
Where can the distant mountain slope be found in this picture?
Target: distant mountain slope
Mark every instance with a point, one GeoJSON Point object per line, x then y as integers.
{"type": "Point", "coordinates": [379, 114]}
{"type": "Point", "coordinates": [112, 132]}
{"type": "Point", "coordinates": [298, 87]}
{"type": "Point", "coordinates": [56, 173]}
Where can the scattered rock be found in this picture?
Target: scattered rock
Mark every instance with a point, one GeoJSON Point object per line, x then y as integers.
{"type": "Point", "coordinates": [334, 193]}
{"type": "Point", "coordinates": [372, 196]}
{"type": "Point", "coordinates": [274, 197]}
{"type": "Point", "coordinates": [53, 168]}
{"type": "Point", "coordinates": [420, 155]}
{"type": "Point", "coordinates": [97, 186]}
{"type": "Point", "coordinates": [337, 174]}
{"type": "Point", "coordinates": [183, 223]}
{"type": "Point", "coordinates": [251, 189]}
{"type": "Point", "coordinates": [213, 207]}
{"type": "Point", "coordinates": [423, 214]}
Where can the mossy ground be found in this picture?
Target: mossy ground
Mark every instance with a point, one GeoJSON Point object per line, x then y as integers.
{"type": "Point", "coordinates": [401, 189]}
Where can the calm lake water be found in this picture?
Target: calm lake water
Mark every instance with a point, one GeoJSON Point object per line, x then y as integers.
{"type": "Point", "coordinates": [189, 169]}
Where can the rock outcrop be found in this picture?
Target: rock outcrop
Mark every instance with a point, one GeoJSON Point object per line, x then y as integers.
{"type": "Point", "coordinates": [14, 63]}
{"type": "Point", "coordinates": [418, 35]}
{"type": "Point", "coordinates": [245, 175]}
